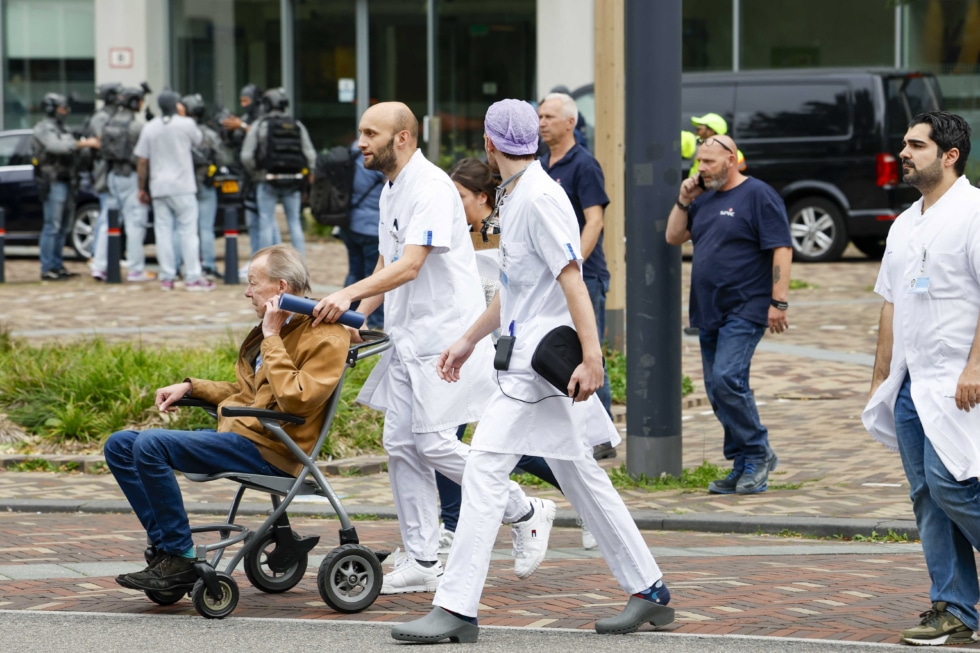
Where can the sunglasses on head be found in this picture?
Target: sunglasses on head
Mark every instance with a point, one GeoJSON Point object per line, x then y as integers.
{"type": "Point", "coordinates": [712, 139]}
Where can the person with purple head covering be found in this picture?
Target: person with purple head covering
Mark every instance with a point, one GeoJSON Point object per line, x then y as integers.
{"type": "Point", "coordinates": [541, 290]}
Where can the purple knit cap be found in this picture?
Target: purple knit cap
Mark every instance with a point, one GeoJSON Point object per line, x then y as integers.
{"type": "Point", "coordinates": [512, 125]}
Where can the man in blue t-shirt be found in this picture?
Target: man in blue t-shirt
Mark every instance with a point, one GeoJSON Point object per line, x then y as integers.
{"type": "Point", "coordinates": [580, 175]}
{"type": "Point", "coordinates": [739, 286]}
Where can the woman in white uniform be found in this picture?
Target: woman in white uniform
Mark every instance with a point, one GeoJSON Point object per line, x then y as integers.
{"type": "Point", "coordinates": [541, 288]}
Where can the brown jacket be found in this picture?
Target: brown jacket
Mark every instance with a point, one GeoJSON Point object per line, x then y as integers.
{"type": "Point", "coordinates": [300, 369]}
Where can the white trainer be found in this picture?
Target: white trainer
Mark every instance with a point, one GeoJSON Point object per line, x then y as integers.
{"type": "Point", "coordinates": [588, 539]}
{"type": "Point", "coordinates": [409, 576]}
{"type": "Point", "coordinates": [531, 537]}
{"type": "Point", "coordinates": [445, 540]}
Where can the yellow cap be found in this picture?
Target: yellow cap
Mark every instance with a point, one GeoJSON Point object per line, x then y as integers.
{"type": "Point", "coordinates": [713, 121]}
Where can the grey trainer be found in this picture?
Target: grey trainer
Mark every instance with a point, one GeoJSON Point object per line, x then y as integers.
{"type": "Point", "coordinates": [436, 626]}
{"type": "Point", "coordinates": [755, 476]}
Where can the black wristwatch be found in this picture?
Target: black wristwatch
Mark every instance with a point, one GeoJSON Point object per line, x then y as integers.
{"type": "Point", "coordinates": [778, 304]}
{"type": "Point", "coordinates": [681, 205]}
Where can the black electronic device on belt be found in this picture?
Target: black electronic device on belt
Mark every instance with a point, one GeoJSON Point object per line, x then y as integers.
{"type": "Point", "coordinates": [505, 347]}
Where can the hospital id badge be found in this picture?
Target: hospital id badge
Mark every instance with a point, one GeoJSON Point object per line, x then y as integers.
{"type": "Point", "coordinates": [919, 286]}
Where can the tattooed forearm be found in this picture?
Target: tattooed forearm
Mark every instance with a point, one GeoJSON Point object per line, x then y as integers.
{"type": "Point", "coordinates": [776, 274]}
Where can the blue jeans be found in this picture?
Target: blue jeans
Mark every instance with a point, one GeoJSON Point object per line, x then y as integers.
{"type": "Point", "coordinates": [175, 225]}
{"type": "Point", "coordinates": [947, 513]}
{"type": "Point", "coordinates": [207, 209]}
{"type": "Point", "coordinates": [266, 196]}
{"type": "Point", "coordinates": [726, 356]}
{"type": "Point", "coordinates": [451, 494]}
{"type": "Point", "coordinates": [55, 228]}
{"type": "Point", "coordinates": [143, 463]}
{"type": "Point", "coordinates": [362, 257]}
{"type": "Point", "coordinates": [100, 239]}
{"type": "Point", "coordinates": [597, 293]}
{"type": "Point", "coordinates": [124, 189]}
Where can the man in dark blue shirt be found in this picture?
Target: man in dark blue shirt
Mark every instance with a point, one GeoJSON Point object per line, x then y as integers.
{"type": "Point", "coordinates": [577, 171]}
{"type": "Point", "coordinates": [739, 286]}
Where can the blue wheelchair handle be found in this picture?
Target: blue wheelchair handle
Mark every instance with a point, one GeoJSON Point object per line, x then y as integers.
{"type": "Point", "coordinates": [304, 305]}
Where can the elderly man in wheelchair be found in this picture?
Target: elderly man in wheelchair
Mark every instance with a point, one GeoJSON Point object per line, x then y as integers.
{"type": "Point", "coordinates": [285, 364]}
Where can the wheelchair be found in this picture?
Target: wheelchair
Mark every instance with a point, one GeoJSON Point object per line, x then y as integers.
{"type": "Point", "coordinates": [273, 556]}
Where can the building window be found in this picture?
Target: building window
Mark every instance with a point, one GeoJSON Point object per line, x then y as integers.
{"type": "Point", "coordinates": [706, 36]}
{"type": "Point", "coordinates": [48, 47]}
{"type": "Point", "coordinates": [807, 34]}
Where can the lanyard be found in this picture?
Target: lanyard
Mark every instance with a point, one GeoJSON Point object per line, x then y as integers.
{"type": "Point", "coordinates": [499, 201]}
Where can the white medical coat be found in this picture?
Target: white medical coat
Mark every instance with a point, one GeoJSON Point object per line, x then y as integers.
{"type": "Point", "coordinates": [934, 330]}
{"type": "Point", "coordinates": [426, 315]}
{"type": "Point", "coordinates": [539, 236]}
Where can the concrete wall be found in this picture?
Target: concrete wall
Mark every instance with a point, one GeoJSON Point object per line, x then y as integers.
{"type": "Point", "coordinates": [565, 44]}
{"type": "Point", "coordinates": [137, 31]}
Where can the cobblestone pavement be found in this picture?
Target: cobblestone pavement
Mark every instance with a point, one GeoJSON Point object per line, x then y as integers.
{"type": "Point", "coordinates": [721, 584]}
{"type": "Point", "coordinates": [810, 384]}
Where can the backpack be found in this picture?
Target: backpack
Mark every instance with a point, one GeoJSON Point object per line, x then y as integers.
{"type": "Point", "coordinates": [281, 151]}
{"type": "Point", "coordinates": [333, 185]}
{"type": "Point", "coordinates": [115, 144]}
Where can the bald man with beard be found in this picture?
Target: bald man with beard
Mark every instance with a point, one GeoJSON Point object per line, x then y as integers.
{"type": "Point", "coordinates": [427, 277]}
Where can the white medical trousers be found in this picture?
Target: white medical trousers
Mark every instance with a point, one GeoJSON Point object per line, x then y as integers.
{"type": "Point", "coordinates": [413, 459]}
{"type": "Point", "coordinates": [586, 486]}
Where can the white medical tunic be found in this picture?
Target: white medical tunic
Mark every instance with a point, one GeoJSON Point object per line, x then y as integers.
{"type": "Point", "coordinates": [934, 324]}
{"type": "Point", "coordinates": [426, 315]}
{"type": "Point", "coordinates": [539, 236]}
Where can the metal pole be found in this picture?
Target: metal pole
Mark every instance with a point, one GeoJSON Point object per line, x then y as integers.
{"type": "Point", "coordinates": [653, 268]}
{"type": "Point", "coordinates": [362, 54]}
{"type": "Point", "coordinates": [114, 250]}
{"type": "Point", "coordinates": [432, 124]}
{"type": "Point", "coordinates": [286, 52]}
{"type": "Point", "coordinates": [3, 241]}
{"type": "Point", "coordinates": [736, 34]}
{"type": "Point", "coordinates": [231, 244]}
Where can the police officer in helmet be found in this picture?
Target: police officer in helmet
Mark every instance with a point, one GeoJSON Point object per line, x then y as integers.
{"type": "Point", "coordinates": [279, 157]}
{"type": "Point", "coordinates": [55, 150]}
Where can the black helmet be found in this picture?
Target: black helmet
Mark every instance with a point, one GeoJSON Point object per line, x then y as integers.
{"type": "Point", "coordinates": [130, 97]}
{"type": "Point", "coordinates": [252, 92]}
{"type": "Point", "coordinates": [275, 99]}
{"type": "Point", "coordinates": [194, 105]}
{"type": "Point", "coordinates": [108, 92]}
{"type": "Point", "coordinates": [51, 102]}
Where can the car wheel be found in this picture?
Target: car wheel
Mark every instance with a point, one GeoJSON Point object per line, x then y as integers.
{"type": "Point", "coordinates": [816, 227]}
{"type": "Point", "coordinates": [871, 246]}
{"type": "Point", "coordinates": [83, 230]}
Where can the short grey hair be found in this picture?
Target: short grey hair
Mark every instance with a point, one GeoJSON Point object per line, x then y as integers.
{"type": "Point", "coordinates": [568, 107]}
{"type": "Point", "coordinates": [285, 263]}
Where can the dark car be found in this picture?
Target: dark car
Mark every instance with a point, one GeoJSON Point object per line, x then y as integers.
{"type": "Point", "coordinates": [22, 205]}
{"type": "Point", "coordinates": [826, 139]}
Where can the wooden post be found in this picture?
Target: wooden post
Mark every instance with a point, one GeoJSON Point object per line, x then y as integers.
{"type": "Point", "coordinates": [610, 121]}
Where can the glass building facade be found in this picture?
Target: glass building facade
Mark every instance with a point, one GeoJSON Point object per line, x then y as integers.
{"type": "Point", "coordinates": [345, 54]}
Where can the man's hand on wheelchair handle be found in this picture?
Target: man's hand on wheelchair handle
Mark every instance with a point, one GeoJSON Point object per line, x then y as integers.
{"type": "Point", "coordinates": [167, 396]}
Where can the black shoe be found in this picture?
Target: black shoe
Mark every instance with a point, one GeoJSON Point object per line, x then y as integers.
{"type": "Point", "coordinates": [152, 556]}
{"type": "Point", "coordinates": [725, 485]}
{"type": "Point", "coordinates": [755, 477]}
{"type": "Point", "coordinates": [65, 274]}
{"type": "Point", "coordinates": [52, 275]}
{"type": "Point", "coordinates": [172, 572]}
{"type": "Point", "coordinates": [603, 451]}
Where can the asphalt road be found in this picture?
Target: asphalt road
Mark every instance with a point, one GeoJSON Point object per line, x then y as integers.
{"type": "Point", "coordinates": [27, 632]}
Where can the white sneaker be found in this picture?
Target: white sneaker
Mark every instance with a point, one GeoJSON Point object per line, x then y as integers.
{"type": "Point", "coordinates": [588, 539]}
{"type": "Point", "coordinates": [409, 576]}
{"type": "Point", "coordinates": [445, 539]}
{"type": "Point", "coordinates": [531, 537]}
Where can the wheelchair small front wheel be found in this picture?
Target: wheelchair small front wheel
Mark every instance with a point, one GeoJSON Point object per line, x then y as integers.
{"type": "Point", "coordinates": [168, 597]}
{"type": "Point", "coordinates": [209, 607]}
{"type": "Point", "coordinates": [349, 578]}
{"type": "Point", "coordinates": [261, 574]}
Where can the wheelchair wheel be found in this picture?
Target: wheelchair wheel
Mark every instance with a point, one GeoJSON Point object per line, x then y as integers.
{"type": "Point", "coordinates": [349, 578]}
{"type": "Point", "coordinates": [263, 577]}
{"type": "Point", "coordinates": [165, 598]}
{"type": "Point", "coordinates": [210, 608]}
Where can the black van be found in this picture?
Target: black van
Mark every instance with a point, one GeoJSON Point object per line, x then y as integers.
{"type": "Point", "coordinates": [826, 139]}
